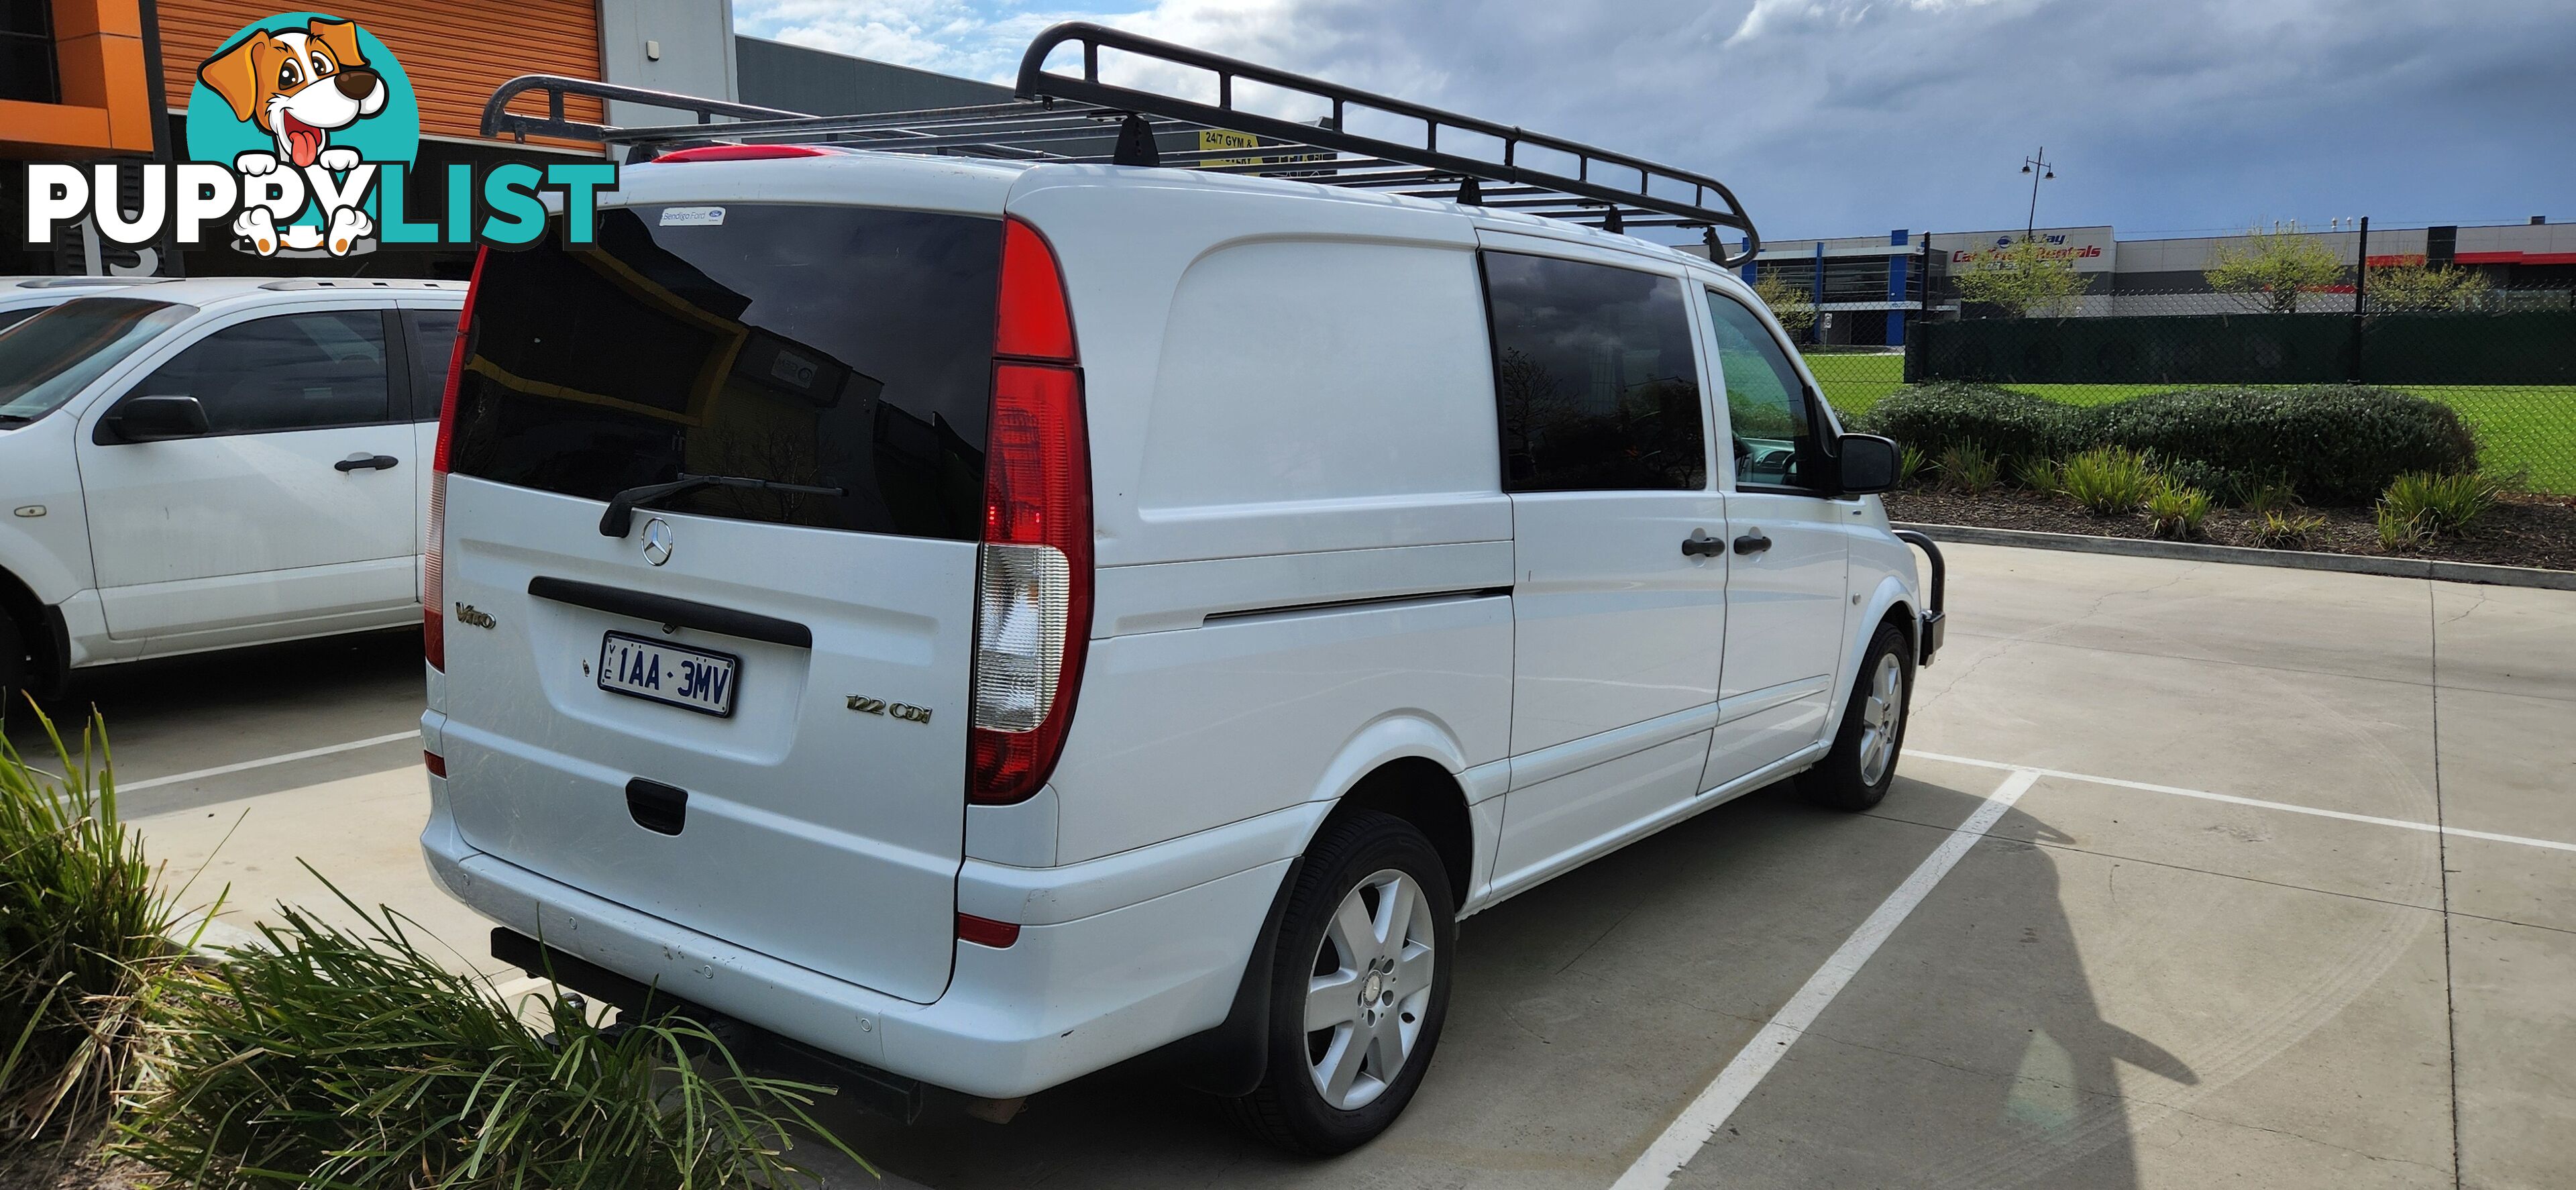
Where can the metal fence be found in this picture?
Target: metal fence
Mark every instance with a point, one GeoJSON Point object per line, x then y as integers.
{"type": "Point", "coordinates": [2505, 359]}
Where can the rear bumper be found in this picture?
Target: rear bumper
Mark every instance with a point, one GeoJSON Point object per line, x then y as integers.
{"type": "Point", "coordinates": [1069, 997]}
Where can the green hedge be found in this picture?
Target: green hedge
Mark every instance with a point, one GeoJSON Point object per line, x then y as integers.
{"type": "Point", "coordinates": [1936, 417]}
{"type": "Point", "coordinates": [2333, 444]}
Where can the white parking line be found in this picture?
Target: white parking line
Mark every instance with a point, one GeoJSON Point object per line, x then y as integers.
{"type": "Point", "coordinates": [1683, 1138]}
{"type": "Point", "coordinates": [265, 761]}
{"type": "Point", "coordinates": [2259, 803]}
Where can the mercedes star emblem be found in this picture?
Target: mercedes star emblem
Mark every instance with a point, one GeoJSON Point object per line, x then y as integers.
{"type": "Point", "coordinates": [657, 541]}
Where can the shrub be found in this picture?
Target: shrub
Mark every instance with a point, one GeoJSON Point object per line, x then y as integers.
{"type": "Point", "coordinates": [2438, 504]}
{"type": "Point", "coordinates": [80, 938]}
{"type": "Point", "coordinates": [2270, 497]}
{"type": "Point", "coordinates": [1966, 468]}
{"type": "Point", "coordinates": [2335, 444]}
{"type": "Point", "coordinates": [2178, 511]}
{"type": "Point", "coordinates": [2038, 473]}
{"type": "Point", "coordinates": [323, 1058]}
{"type": "Point", "coordinates": [2290, 532]}
{"type": "Point", "coordinates": [1936, 417]}
{"type": "Point", "coordinates": [2398, 532]}
{"type": "Point", "coordinates": [1909, 463]}
{"type": "Point", "coordinates": [2222, 485]}
{"type": "Point", "coordinates": [2109, 480]}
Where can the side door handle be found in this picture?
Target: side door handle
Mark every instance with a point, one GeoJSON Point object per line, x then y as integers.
{"type": "Point", "coordinates": [374, 462]}
{"type": "Point", "coordinates": [1700, 545]}
{"type": "Point", "coordinates": [1752, 543]}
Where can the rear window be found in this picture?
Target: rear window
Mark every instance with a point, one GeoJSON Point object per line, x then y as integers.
{"type": "Point", "coordinates": [838, 347]}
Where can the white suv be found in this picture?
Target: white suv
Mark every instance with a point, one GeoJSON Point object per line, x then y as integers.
{"type": "Point", "coordinates": [982, 621]}
{"type": "Point", "coordinates": [200, 464]}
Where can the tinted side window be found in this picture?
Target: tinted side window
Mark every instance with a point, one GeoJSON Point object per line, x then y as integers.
{"type": "Point", "coordinates": [290, 372]}
{"type": "Point", "coordinates": [10, 318]}
{"type": "Point", "coordinates": [1766, 404]}
{"type": "Point", "coordinates": [433, 344]}
{"type": "Point", "coordinates": [1595, 382]}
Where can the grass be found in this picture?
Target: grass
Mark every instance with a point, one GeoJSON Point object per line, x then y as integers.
{"type": "Point", "coordinates": [2109, 480]}
{"type": "Point", "coordinates": [2530, 429]}
{"type": "Point", "coordinates": [324, 1058]}
{"type": "Point", "coordinates": [80, 941]}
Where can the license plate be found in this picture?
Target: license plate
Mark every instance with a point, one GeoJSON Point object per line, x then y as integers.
{"type": "Point", "coordinates": [692, 679]}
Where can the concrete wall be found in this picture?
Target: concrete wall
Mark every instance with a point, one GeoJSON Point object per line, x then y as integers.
{"type": "Point", "coordinates": [686, 46]}
{"type": "Point", "coordinates": [822, 83]}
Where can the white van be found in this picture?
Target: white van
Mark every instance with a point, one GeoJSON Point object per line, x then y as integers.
{"type": "Point", "coordinates": [202, 464]}
{"type": "Point", "coordinates": [982, 620]}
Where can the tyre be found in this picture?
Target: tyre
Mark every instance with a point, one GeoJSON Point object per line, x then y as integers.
{"type": "Point", "coordinates": [1856, 774]}
{"type": "Point", "coordinates": [17, 670]}
{"type": "Point", "coordinates": [1359, 990]}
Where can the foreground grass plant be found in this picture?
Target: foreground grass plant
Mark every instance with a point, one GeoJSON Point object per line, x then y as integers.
{"type": "Point", "coordinates": [2177, 512]}
{"type": "Point", "coordinates": [1967, 469]}
{"type": "Point", "coordinates": [2109, 480]}
{"type": "Point", "coordinates": [2433, 505]}
{"type": "Point", "coordinates": [326, 1058]}
{"type": "Point", "coordinates": [80, 941]}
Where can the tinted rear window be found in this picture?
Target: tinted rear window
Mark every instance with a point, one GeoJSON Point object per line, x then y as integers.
{"type": "Point", "coordinates": [838, 347]}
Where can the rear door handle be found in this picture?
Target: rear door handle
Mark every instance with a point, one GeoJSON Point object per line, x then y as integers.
{"type": "Point", "coordinates": [1700, 545]}
{"type": "Point", "coordinates": [1752, 543]}
{"type": "Point", "coordinates": [375, 462]}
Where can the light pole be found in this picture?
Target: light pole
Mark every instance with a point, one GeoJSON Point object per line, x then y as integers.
{"type": "Point", "coordinates": [2039, 171]}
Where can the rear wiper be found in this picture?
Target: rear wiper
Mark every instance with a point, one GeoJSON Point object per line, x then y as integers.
{"type": "Point", "coordinates": [620, 516]}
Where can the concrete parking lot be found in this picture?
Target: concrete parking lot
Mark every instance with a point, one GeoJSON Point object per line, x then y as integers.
{"type": "Point", "coordinates": [2195, 875]}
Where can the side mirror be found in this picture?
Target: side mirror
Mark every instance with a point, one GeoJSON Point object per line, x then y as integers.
{"type": "Point", "coordinates": [1868, 464]}
{"type": "Point", "coordinates": [152, 419]}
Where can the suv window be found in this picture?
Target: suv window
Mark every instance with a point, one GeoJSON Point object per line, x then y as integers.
{"type": "Point", "coordinates": [432, 345]}
{"type": "Point", "coordinates": [1776, 444]}
{"type": "Point", "coordinates": [287, 372]}
{"type": "Point", "coordinates": [48, 358]}
{"type": "Point", "coordinates": [838, 347]}
{"type": "Point", "coordinates": [1595, 380]}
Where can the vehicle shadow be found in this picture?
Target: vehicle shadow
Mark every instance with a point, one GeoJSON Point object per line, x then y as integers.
{"type": "Point", "coordinates": [1587, 1012]}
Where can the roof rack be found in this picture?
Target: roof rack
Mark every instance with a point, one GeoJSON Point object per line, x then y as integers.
{"type": "Point", "coordinates": [1082, 119]}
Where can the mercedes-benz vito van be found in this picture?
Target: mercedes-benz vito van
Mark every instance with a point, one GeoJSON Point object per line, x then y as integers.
{"type": "Point", "coordinates": [988, 620]}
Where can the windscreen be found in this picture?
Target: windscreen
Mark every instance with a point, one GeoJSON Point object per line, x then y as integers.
{"type": "Point", "coordinates": [50, 357]}
{"type": "Point", "coordinates": [822, 346]}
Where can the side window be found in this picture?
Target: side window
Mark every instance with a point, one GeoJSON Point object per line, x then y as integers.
{"type": "Point", "coordinates": [433, 344]}
{"type": "Point", "coordinates": [290, 372]}
{"type": "Point", "coordinates": [1596, 384]}
{"type": "Point", "coordinates": [1766, 404]}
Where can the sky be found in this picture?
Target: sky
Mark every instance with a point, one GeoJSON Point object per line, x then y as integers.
{"type": "Point", "coordinates": [1855, 117]}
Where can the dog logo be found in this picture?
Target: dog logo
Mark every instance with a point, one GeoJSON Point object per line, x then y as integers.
{"type": "Point", "coordinates": [304, 106]}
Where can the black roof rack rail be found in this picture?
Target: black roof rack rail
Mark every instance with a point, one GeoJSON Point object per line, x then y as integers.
{"type": "Point", "coordinates": [1062, 117]}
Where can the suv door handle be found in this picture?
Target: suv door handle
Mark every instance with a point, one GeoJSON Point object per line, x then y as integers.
{"type": "Point", "coordinates": [1700, 545]}
{"type": "Point", "coordinates": [376, 462]}
{"type": "Point", "coordinates": [1752, 543]}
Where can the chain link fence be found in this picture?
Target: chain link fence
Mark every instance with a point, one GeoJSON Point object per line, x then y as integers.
{"type": "Point", "coordinates": [2505, 359]}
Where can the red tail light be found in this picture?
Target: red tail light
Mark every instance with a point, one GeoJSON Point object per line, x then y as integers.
{"type": "Point", "coordinates": [437, 763]}
{"type": "Point", "coordinates": [1033, 603]}
{"type": "Point", "coordinates": [737, 153]}
{"type": "Point", "coordinates": [984, 931]}
{"type": "Point", "coordinates": [433, 554]}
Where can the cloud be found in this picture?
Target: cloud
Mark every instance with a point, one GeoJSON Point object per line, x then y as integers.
{"type": "Point", "coordinates": [1855, 116]}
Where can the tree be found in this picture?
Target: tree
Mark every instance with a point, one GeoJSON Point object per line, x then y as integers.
{"type": "Point", "coordinates": [2418, 288]}
{"type": "Point", "coordinates": [2025, 278]}
{"type": "Point", "coordinates": [2271, 268]}
{"type": "Point", "coordinates": [1789, 302]}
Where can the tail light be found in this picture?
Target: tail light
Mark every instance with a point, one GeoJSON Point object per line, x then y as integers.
{"type": "Point", "coordinates": [1033, 601]}
{"type": "Point", "coordinates": [433, 554]}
